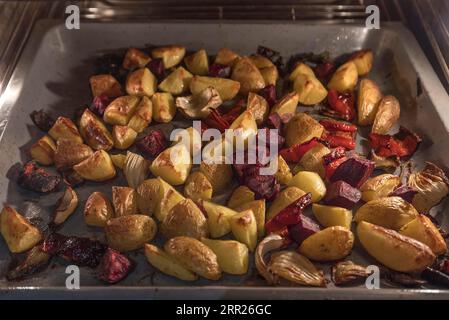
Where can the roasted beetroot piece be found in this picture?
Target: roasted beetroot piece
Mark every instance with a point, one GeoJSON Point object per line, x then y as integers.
{"type": "Point", "coordinates": [324, 70]}
{"type": "Point", "coordinates": [99, 104]}
{"type": "Point", "coordinates": [269, 93]}
{"type": "Point", "coordinates": [340, 105]}
{"type": "Point", "coordinates": [234, 113]}
{"type": "Point", "coordinates": [274, 121]}
{"type": "Point", "coordinates": [219, 70]}
{"type": "Point", "coordinates": [42, 120]}
{"type": "Point", "coordinates": [114, 266]}
{"type": "Point", "coordinates": [156, 67]}
{"type": "Point", "coordinates": [153, 143]}
{"type": "Point", "coordinates": [37, 179]}
{"type": "Point", "coordinates": [355, 171]}
{"type": "Point", "coordinates": [332, 160]}
{"type": "Point", "coordinates": [216, 120]}
{"type": "Point", "coordinates": [402, 145]}
{"type": "Point", "coordinates": [81, 251]}
{"type": "Point", "coordinates": [297, 151]}
{"type": "Point", "coordinates": [405, 192]}
{"type": "Point", "coordinates": [264, 186]}
{"type": "Point", "coordinates": [304, 229]}
{"type": "Point", "coordinates": [341, 194]}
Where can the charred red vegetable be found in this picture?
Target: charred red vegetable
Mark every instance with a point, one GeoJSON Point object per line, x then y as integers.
{"type": "Point", "coordinates": [274, 121]}
{"type": "Point", "coordinates": [333, 159]}
{"type": "Point", "coordinates": [341, 194]}
{"type": "Point", "coordinates": [157, 67]}
{"type": "Point", "coordinates": [42, 120]}
{"type": "Point", "coordinates": [340, 105]}
{"type": "Point", "coordinates": [264, 186]}
{"type": "Point", "coordinates": [324, 70]}
{"type": "Point", "coordinates": [269, 94]}
{"type": "Point", "coordinates": [405, 192]}
{"type": "Point", "coordinates": [355, 170]}
{"type": "Point", "coordinates": [297, 151]}
{"type": "Point", "coordinates": [153, 143]}
{"type": "Point", "coordinates": [37, 179]}
{"type": "Point", "coordinates": [114, 266]}
{"type": "Point", "coordinates": [304, 229]}
{"type": "Point", "coordinates": [219, 70]}
{"type": "Point", "coordinates": [99, 104]}
{"type": "Point", "coordinates": [402, 145]}
{"type": "Point", "coordinates": [339, 134]}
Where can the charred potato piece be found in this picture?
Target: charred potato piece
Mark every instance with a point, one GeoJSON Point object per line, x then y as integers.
{"type": "Point", "coordinates": [148, 195]}
{"type": "Point", "coordinates": [169, 197]}
{"type": "Point", "coordinates": [258, 107]}
{"type": "Point", "coordinates": [226, 57]}
{"type": "Point", "coordinates": [185, 219]}
{"type": "Point", "coordinates": [258, 208]}
{"type": "Point", "coordinates": [394, 250]}
{"type": "Point", "coordinates": [368, 100]}
{"type": "Point", "coordinates": [164, 108]}
{"type": "Point", "coordinates": [363, 60]}
{"type": "Point", "coordinates": [120, 110]}
{"type": "Point", "coordinates": [43, 151]}
{"type": "Point", "coordinates": [94, 132]}
{"type": "Point", "coordinates": [128, 233]}
{"type": "Point", "coordinates": [244, 228]}
{"type": "Point", "coordinates": [69, 153]}
{"type": "Point", "coordinates": [232, 256]}
{"type": "Point", "coordinates": [134, 58]}
{"type": "Point", "coordinates": [167, 264]}
{"type": "Point", "coordinates": [312, 160]}
{"type": "Point", "coordinates": [143, 115]}
{"type": "Point", "coordinates": [379, 186]}
{"type": "Point", "coordinates": [195, 256]}
{"type": "Point", "coordinates": [64, 128]}
{"type": "Point", "coordinates": [171, 55]}
{"type": "Point", "coordinates": [98, 210]}
{"type": "Point", "coordinates": [283, 174]}
{"type": "Point", "coordinates": [240, 195]}
{"type": "Point", "coordinates": [198, 63]}
{"type": "Point", "coordinates": [65, 206]}
{"type": "Point", "coordinates": [301, 68]}
{"type": "Point", "coordinates": [124, 200]}
{"type": "Point", "coordinates": [345, 78]}
{"type": "Point", "coordinates": [19, 234]}
{"type": "Point", "coordinates": [285, 198]}
{"type": "Point", "coordinates": [118, 160]}
{"type": "Point", "coordinates": [310, 90]}
{"type": "Point", "coordinates": [330, 216]}
{"type": "Point", "coordinates": [173, 164]}
{"type": "Point", "coordinates": [287, 105]}
{"type": "Point", "coordinates": [198, 187]}
{"type": "Point", "coordinates": [123, 137]}
{"type": "Point", "coordinates": [330, 244]}
{"type": "Point", "coordinates": [218, 218]}
{"type": "Point", "coordinates": [105, 84]}
{"type": "Point", "coordinates": [302, 128]}
{"type": "Point", "coordinates": [387, 115]}
{"type": "Point", "coordinates": [226, 88]}
{"type": "Point", "coordinates": [176, 82]}
{"type": "Point", "coordinates": [141, 83]}
{"type": "Point", "coordinates": [97, 167]}
{"type": "Point", "coordinates": [218, 174]}
{"type": "Point", "coordinates": [250, 78]}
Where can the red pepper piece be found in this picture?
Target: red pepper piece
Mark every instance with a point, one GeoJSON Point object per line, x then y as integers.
{"type": "Point", "coordinates": [342, 104]}
{"type": "Point", "coordinates": [336, 140]}
{"type": "Point", "coordinates": [335, 154]}
{"type": "Point", "coordinates": [333, 125]}
{"type": "Point", "coordinates": [297, 151]}
{"type": "Point", "coordinates": [403, 144]}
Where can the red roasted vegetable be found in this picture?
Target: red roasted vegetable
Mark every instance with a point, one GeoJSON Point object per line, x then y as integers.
{"type": "Point", "coordinates": [219, 70]}
{"type": "Point", "coordinates": [324, 70]}
{"type": "Point", "coordinates": [339, 134]}
{"type": "Point", "coordinates": [42, 120]}
{"type": "Point", "coordinates": [332, 166]}
{"type": "Point", "coordinates": [114, 266]}
{"type": "Point", "coordinates": [341, 105]}
{"type": "Point", "coordinates": [304, 229]}
{"type": "Point", "coordinates": [401, 145]}
{"type": "Point", "coordinates": [37, 179]}
{"type": "Point", "coordinates": [341, 194]}
{"type": "Point", "coordinates": [355, 171]}
{"type": "Point", "coordinates": [157, 67]}
{"type": "Point", "coordinates": [99, 104]}
{"type": "Point", "coordinates": [405, 192]}
{"type": "Point", "coordinates": [153, 143]}
{"type": "Point", "coordinates": [297, 151]}
{"type": "Point", "coordinates": [334, 125]}
{"type": "Point", "coordinates": [269, 93]}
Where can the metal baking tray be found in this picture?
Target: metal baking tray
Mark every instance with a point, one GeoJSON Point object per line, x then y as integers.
{"type": "Point", "coordinates": [53, 73]}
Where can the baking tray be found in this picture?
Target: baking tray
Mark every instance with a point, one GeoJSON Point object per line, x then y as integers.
{"type": "Point", "coordinates": [53, 73]}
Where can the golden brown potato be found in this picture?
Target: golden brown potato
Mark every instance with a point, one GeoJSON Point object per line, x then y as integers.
{"type": "Point", "coordinates": [169, 197]}
{"type": "Point", "coordinates": [43, 151]}
{"type": "Point", "coordinates": [270, 75]}
{"type": "Point", "coordinates": [302, 128]}
{"type": "Point", "coordinates": [173, 164]}
{"type": "Point", "coordinates": [226, 88]}
{"type": "Point", "coordinates": [185, 219]}
{"type": "Point", "coordinates": [69, 153]}
{"type": "Point", "coordinates": [250, 78]}
{"type": "Point", "coordinates": [240, 195]}
{"type": "Point", "coordinates": [123, 137]}
{"type": "Point", "coordinates": [218, 218]}
{"type": "Point", "coordinates": [19, 234]}
{"type": "Point", "coordinates": [244, 228]}
{"type": "Point", "coordinates": [285, 198]}
{"type": "Point", "coordinates": [164, 108]}
{"type": "Point", "coordinates": [312, 160]}
{"type": "Point", "coordinates": [195, 256]}
{"type": "Point", "coordinates": [98, 210]}
{"type": "Point", "coordinates": [389, 212]}
{"type": "Point", "coordinates": [422, 229]}
{"type": "Point", "coordinates": [244, 127]}
{"type": "Point", "coordinates": [124, 200]}
{"type": "Point", "coordinates": [164, 262]}
{"type": "Point", "coordinates": [368, 100]}
{"type": "Point", "coordinates": [141, 82]}
{"type": "Point", "coordinates": [134, 58]}
{"type": "Point", "coordinates": [330, 216]}
{"type": "Point", "coordinates": [258, 208]}
{"type": "Point", "coordinates": [232, 256]}
{"type": "Point", "coordinates": [379, 186]}
{"type": "Point", "coordinates": [64, 128]}
{"type": "Point", "coordinates": [198, 63]}
{"type": "Point", "coordinates": [143, 115]}
{"type": "Point", "coordinates": [394, 250]}
{"type": "Point", "coordinates": [301, 68]}
{"type": "Point", "coordinates": [258, 106]}
{"type": "Point", "coordinates": [105, 84]}
{"type": "Point", "coordinates": [287, 105]}
{"type": "Point", "coordinates": [127, 233]}
{"type": "Point", "coordinates": [226, 57]}
{"type": "Point", "coordinates": [65, 206]}
{"type": "Point", "coordinates": [198, 187]}
{"type": "Point", "coordinates": [387, 115]}
{"type": "Point", "coordinates": [176, 82]}
{"type": "Point", "coordinates": [309, 182]}
{"type": "Point", "coordinates": [171, 55]}
{"type": "Point", "coordinates": [283, 174]}
{"type": "Point", "coordinates": [97, 167]}
{"type": "Point", "coordinates": [363, 60]}
{"type": "Point", "coordinates": [148, 195]}
{"type": "Point", "coordinates": [330, 244]}
{"type": "Point", "coordinates": [94, 132]}
{"type": "Point", "coordinates": [120, 110]}
{"type": "Point", "coordinates": [118, 160]}
{"type": "Point", "coordinates": [310, 90]}
{"type": "Point", "coordinates": [260, 61]}
{"type": "Point", "coordinates": [345, 78]}
{"type": "Point", "coordinates": [191, 138]}
{"type": "Point", "coordinates": [218, 174]}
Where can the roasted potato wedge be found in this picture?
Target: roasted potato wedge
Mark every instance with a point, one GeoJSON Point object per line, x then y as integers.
{"type": "Point", "coordinates": [422, 229]}
{"type": "Point", "coordinates": [64, 128]}
{"type": "Point", "coordinates": [118, 160]}
{"type": "Point", "coordinates": [244, 128]}
{"type": "Point", "coordinates": [164, 108]}
{"type": "Point", "coordinates": [218, 218]}
{"type": "Point", "coordinates": [302, 128]}
{"type": "Point", "coordinates": [141, 82]}
{"type": "Point", "coordinates": [105, 84]}
{"type": "Point", "coordinates": [185, 219]}
{"type": "Point", "coordinates": [287, 105]}
{"type": "Point", "coordinates": [143, 115]}
{"type": "Point", "coordinates": [173, 164]}
{"type": "Point", "coordinates": [198, 187]}
{"type": "Point", "coordinates": [191, 138]}
{"type": "Point", "coordinates": [394, 250]}
{"type": "Point", "coordinates": [171, 55]}
{"type": "Point", "coordinates": [218, 174]}
{"type": "Point", "coordinates": [363, 60]}
{"type": "Point", "coordinates": [165, 263]}
{"type": "Point", "coordinates": [65, 206]}
{"type": "Point", "coordinates": [43, 151]}
{"type": "Point", "coordinates": [169, 197]}
{"type": "Point", "coordinates": [120, 110]}
{"type": "Point", "coordinates": [94, 132]}
{"type": "Point", "coordinates": [232, 256]}
{"type": "Point", "coordinates": [98, 210]}
{"type": "Point", "coordinates": [345, 77]}
{"type": "Point", "coordinates": [258, 208]}
{"type": "Point", "coordinates": [124, 200]}
{"type": "Point", "coordinates": [131, 232]}
{"type": "Point", "coordinates": [283, 175]}
{"type": "Point", "coordinates": [310, 90]}
{"type": "Point", "coordinates": [301, 68]}
{"type": "Point", "coordinates": [241, 195]}
{"type": "Point", "coordinates": [135, 58]}
{"type": "Point", "coordinates": [244, 228]}
{"type": "Point", "coordinates": [260, 61]}
{"type": "Point", "coordinates": [368, 100]}
{"type": "Point", "coordinates": [258, 107]}
{"type": "Point", "coordinates": [19, 234]}
{"type": "Point", "coordinates": [388, 112]}
{"type": "Point", "coordinates": [250, 78]}
{"type": "Point", "coordinates": [388, 212]}
{"type": "Point", "coordinates": [227, 88]}
{"type": "Point", "coordinates": [309, 182]}
{"type": "Point", "coordinates": [330, 244]}
{"type": "Point", "coordinates": [226, 57]}
{"type": "Point", "coordinates": [312, 160]}
{"type": "Point", "coordinates": [285, 198]}
{"type": "Point", "coordinates": [270, 75]}
{"type": "Point", "coordinates": [97, 167]}
{"type": "Point", "coordinates": [176, 82]}
{"type": "Point", "coordinates": [69, 153]}
{"type": "Point", "coordinates": [123, 137]}
{"type": "Point", "coordinates": [148, 195]}
{"type": "Point", "coordinates": [329, 216]}
{"type": "Point", "coordinates": [195, 256]}
{"type": "Point", "coordinates": [379, 186]}
{"type": "Point", "coordinates": [198, 63]}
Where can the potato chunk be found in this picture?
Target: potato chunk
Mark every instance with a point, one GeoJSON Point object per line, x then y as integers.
{"type": "Point", "coordinates": [66, 129]}
{"type": "Point", "coordinates": [170, 55]}
{"type": "Point", "coordinates": [97, 167]}
{"type": "Point", "coordinates": [94, 132]}
{"type": "Point", "coordinates": [176, 82]}
{"type": "Point", "coordinates": [198, 63]}
{"type": "Point", "coordinates": [43, 151]}
{"type": "Point", "coordinates": [120, 110]}
{"type": "Point", "coordinates": [123, 137]}
{"type": "Point", "coordinates": [105, 84]}
{"type": "Point", "coordinates": [244, 228]}
{"type": "Point", "coordinates": [164, 108]}
{"type": "Point", "coordinates": [141, 83]}
{"type": "Point", "coordinates": [124, 200]}
{"type": "Point", "coordinates": [232, 255]}
{"type": "Point", "coordinates": [98, 210]}
{"type": "Point", "coordinates": [302, 128]}
{"type": "Point", "coordinates": [135, 58]}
